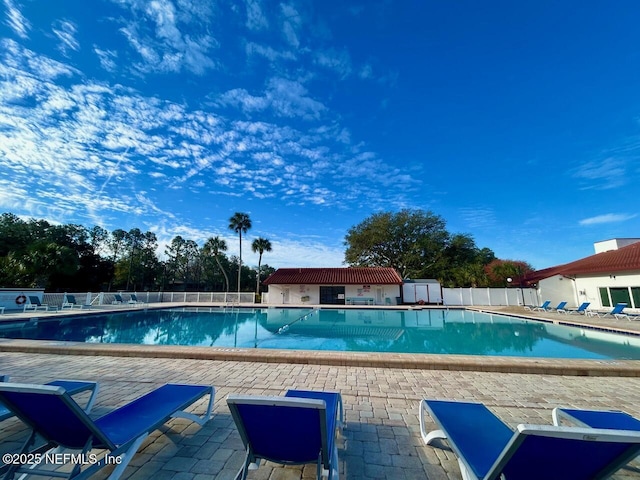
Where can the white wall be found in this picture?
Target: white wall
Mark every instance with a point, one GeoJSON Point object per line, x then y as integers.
{"type": "Point", "coordinates": [613, 244]}
{"type": "Point", "coordinates": [559, 289]}
{"type": "Point", "coordinates": [9, 297]}
{"type": "Point", "coordinates": [489, 296]}
{"type": "Point", "coordinates": [588, 287]}
{"type": "Point", "coordinates": [297, 292]}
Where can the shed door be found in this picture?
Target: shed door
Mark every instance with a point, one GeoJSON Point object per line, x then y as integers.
{"type": "Point", "coordinates": [333, 295]}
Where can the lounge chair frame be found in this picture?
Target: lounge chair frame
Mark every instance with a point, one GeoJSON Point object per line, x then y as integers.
{"type": "Point", "coordinates": [327, 460]}
{"type": "Point", "coordinates": [69, 301]}
{"type": "Point", "coordinates": [581, 310]}
{"type": "Point", "coordinates": [612, 419]}
{"type": "Point", "coordinates": [88, 434]}
{"type": "Point", "coordinates": [72, 387]}
{"type": "Point", "coordinates": [510, 443]}
{"type": "Point", "coordinates": [541, 308]}
{"type": "Point", "coordinates": [34, 304]}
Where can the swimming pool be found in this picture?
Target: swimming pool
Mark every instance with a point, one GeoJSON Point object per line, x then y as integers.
{"type": "Point", "coordinates": [432, 331]}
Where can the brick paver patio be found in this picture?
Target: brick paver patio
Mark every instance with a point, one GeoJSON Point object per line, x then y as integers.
{"type": "Point", "coordinates": [382, 439]}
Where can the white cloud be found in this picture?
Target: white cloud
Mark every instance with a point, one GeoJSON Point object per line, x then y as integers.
{"type": "Point", "coordinates": [602, 174]}
{"type": "Point", "coordinates": [268, 52]}
{"type": "Point", "coordinates": [478, 217]}
{"type": "Point", "coordinates": [15, 21]}
{"type": "Point", "coordinates": [291, 24]}
{"type": "Point", "coordinates": [256, 19]}
{"type": "Point", "coordinates": [66, 31]}
{"type": "Point", "coordinates": [607, 218]}
{"type": "Point", "coordinates": [107, 58]}
{"type": "Point", "coordinates": [337, 60]}
{"type": "Point", "coordinates": [165, 48]}
{"type": "Point", "coordinates": [286, 98]}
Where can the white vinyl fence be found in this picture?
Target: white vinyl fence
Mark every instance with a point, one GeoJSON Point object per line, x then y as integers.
{"type": "Point", "coordinates": [450, 296]}
{"type": "Point", "coordinates": [490, 296]}
{"type": "Point", "coordinates": [108, 298]}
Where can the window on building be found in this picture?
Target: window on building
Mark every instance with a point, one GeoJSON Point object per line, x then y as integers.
{"type": "Point", "coordinates": [604, 297]}
{"type": "Point", "coordinates": [610, 296]}
{"type": "Point", "coordinates": [635, 296]}
{"type": "Point", "coordinates": [620, 295]}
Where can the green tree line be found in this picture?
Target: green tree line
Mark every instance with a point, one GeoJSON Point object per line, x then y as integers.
{"type": "Point", "coordinates": [35, 253]}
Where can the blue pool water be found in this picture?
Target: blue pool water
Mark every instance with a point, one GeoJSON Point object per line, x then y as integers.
{"type": "Point", "coordinates": [358, 330]}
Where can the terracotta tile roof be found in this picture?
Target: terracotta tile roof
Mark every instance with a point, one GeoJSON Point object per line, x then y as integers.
{"type": "Point", "coordinates": [334, 276]}
{"type": "Point", "coordinates": [622, 260]}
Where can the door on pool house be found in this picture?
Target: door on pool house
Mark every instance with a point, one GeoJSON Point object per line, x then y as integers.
{"type": "Point", "coordinates": [333, 295]}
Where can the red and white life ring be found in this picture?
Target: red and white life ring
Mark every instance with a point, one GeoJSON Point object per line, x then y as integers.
{"type": "Point", "coordinates": [21, 299]}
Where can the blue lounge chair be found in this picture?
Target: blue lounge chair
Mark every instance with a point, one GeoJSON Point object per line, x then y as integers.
{"type": "Point", "coordinates": [560, 306]}
{"type": "Point", "coordinates": [55, 416]}
{"type": "Point", "coordinates": [33, 303]}
{"type": "Point", "coordinates": [487, 448]}
{"type": "Point", "coordinates": [615, 311]}
{"type": "Point", "coordinates": [296, 429]}
{"type": "Point", "coordinates": [72, 387]}
{"type": "Point", "coordinates": [117, 298]}
{"type": "Point", "coordinates": [581, 310]}
{"type": "Point", "coordinates": [596, 418]}
{"type": "Point", "coordinates": [542, 307]}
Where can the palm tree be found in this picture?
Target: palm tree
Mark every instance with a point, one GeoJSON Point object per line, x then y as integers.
{"type": "Point", "coordinates": [239, 223]}
{"type": "Point", "coordinates": [214, 246]}
{"type": "Point", "coordinates": [260, 245]}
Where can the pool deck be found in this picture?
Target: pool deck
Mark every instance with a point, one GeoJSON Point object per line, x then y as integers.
{"type": "Point", "coordinates": [382, 439]}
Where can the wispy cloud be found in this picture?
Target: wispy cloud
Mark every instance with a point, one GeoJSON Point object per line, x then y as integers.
{"type": "Point", "coordinates": [65, 31]}
{"type": "Point", "coordinates": [256, 20]}
{"type": "Point", "coordinates": [15, 20]}
{"type": "Point", "coordinates": [607, 218]}
{"type": "Point", "coordinates": [107, 58]}
{"type": "Point", "coordinates": [337, 60]}
{"type": "Point", "coordinates": [291, 24]}
{"type": "Point", "coordinates": [478, 217]}
{"type": "Point", "coordinates": [164, 48]}
{"type": "Point", "coordinates": [286, 98]}
{"type": "Point", "coordinates": [602, 174]}
{"type": "Point", "coordinates": [91, 145]}
{"type": "Point", "coordinates": [269, 52]}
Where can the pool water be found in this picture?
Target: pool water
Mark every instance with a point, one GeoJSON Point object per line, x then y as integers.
{"type": "Point", "coordinates": [358, 330]}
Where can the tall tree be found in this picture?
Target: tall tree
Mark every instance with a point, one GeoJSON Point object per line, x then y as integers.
{"type": "Point", "coordinates": [240, 223]}
{"type": "Point", "coordinates": [214, 246]}
{"type": "Point", "coordinates": [499, 270]}
{"type": "Point", "coordinates": [175, 259]}
{"type": "Point", "coordinates": [116, 244]}
{"type": "Point", "coordinates": [260, 245]}
{"type": "Point", "coordinates": [411, 241]}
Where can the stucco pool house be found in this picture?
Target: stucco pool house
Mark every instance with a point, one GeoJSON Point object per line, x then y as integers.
{"type": "Point", "coordinates": [334, 286]}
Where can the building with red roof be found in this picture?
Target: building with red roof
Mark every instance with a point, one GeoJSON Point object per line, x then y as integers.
{"type": "Point", "coordinates": [334, 286]}
{"type": "Point", "coordinates": [610, 276]}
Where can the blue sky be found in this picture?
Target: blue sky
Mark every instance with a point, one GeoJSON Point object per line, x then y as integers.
{"type": "Point", "coordinates": [517, 122]}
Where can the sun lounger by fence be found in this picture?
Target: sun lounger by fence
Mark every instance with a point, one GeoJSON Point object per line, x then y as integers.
{"type": "Point", "coordinates": [487, 448]}
{"type": "Point", "coordinates": [581, 310]}
{"type": "Point", "coordinates": [542, 308]}
{"type": "Point", "coordinates": [615, 311]}
{"type": "Point", "coordinates": [69, 301]}
{"type": "Point", "coordinates": [560, 307]}
{"type": "Point", "coordinates": [120, 432]}
{"type": "Point", "coordinates": [33, 303]}
{"type": "Point", "coordinates": [296, 429]}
